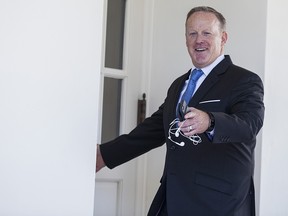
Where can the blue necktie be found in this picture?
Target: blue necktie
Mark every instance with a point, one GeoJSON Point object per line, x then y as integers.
{"type": "Point", "coordinates": [196, 74]}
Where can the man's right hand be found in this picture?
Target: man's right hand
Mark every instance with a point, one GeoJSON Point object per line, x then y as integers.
{"type": "Point", "coordinates": [99, 160]}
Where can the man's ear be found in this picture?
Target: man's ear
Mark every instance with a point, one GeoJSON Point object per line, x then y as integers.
{"type": "Point", "coordinates": [224, 38]}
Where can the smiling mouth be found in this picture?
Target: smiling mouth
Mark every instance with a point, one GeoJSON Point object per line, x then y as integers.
{"type": "Point", "coordinates": [200, 49]}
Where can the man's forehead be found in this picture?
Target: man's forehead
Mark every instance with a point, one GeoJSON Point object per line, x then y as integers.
{"type": "Point", "coordinates": [202, 18]}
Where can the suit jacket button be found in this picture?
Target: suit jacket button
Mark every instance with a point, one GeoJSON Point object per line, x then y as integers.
{"type": "Point", "coordinates": [173, 147]}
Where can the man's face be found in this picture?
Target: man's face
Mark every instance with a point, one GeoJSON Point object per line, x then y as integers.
{"type": "Point", "coordinates": [204, 38]}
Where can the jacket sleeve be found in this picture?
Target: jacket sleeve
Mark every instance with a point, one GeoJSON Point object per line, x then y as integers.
{"type": "Point", "coordinates": [146, 136]}
{"type": "Point", "coordinates": [245, 115]}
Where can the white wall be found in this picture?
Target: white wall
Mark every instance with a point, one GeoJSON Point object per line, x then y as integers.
{"type": "Point", "coordinates": [274, 187]}
{"type": "Point", "coordinates": [49, 80]}
{"type": "Point", "coordinates": [168, 58]}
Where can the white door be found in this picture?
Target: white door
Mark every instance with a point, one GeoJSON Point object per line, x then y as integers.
{"type": "Point", "coordinates": [115, 191]}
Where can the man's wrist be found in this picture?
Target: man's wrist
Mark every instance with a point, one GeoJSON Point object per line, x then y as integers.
{"type": "Point", "coordinates": [211, 122]}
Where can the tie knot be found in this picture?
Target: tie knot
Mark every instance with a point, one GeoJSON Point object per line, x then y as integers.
{"type": "Point", "coordinates": [196, 74]}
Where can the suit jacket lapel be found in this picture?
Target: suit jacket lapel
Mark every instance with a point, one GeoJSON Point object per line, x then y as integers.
{"type": "Point", "coordinates": [210, 81]}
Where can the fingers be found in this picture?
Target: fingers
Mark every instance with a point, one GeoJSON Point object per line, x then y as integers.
{"type": "Point", "coordinates": [192, 112]}
{"type": "Point", "coordinates": [189, 130]}
{"type": "Point", "coordinates": [196, 121]}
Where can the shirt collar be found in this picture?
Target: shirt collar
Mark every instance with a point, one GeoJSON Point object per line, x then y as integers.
{"type": "Point", "coordinates": [206, 70]}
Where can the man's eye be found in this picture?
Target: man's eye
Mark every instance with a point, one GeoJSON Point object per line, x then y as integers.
{"type": "Point", "coordinates": [192, 33]}
{"type": "Point", "coordinates": [206, 33]}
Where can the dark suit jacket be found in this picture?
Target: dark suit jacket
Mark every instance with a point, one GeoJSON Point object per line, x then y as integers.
{"type": "Point", "coordinates": [213, 178]}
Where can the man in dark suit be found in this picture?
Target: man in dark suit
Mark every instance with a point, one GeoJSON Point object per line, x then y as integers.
{"type": "Point", "coordinates": [210, 143]}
